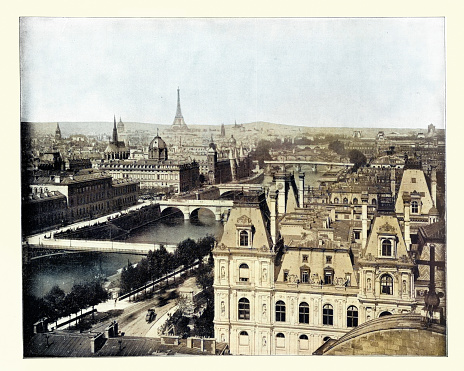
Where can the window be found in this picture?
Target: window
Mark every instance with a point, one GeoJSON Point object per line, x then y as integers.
{"type": "Point", "coordinates": [280, 340]}
{"type": "Point", "coordinates": [327, 315]}
{"type": "Point", "coordinates": [243, 339]}
{"type": "Point", "coordinates": [352, 316]}
{"type": "Point", "coordinates": [243, 238]}
{"type": "Point", "coordinates": [285, 276]}
{"type": "Point", "coordinates": [414, 207]}
{"type": "Point", "coordinates": [374, 201]}
{"type": "Point", "coordinates": [413, 180]}
{"type": "Point", "coordinates": [336, 200]}
{"type": "Point", "coordinates": [328, 277]}
{"type": "Point", "coordinates": [357, 235]}
{"type": "Point", "coordinates": [345, 200]}
{"type": "Point", "coordinates": [304, 342]}
{"type": "Point", "coordinates": [355, 201]}
{"type": "Point", "coordinates": [243, 272]}
{"type": "Point", "coordinates": [386, 248]}
{"type": "Point", "coordinates": [304, 313]}
{"type": "Point", "coordinates": [386, 284]}
{"type": "Point", "coordinates": [305, 258]}
{"type": "Point", "coordinates": [328, 259]}
{"type": "Point", "coordinates": [304, 275]}
{"type": "Point", "coordinates": [280, 311]}
{"type": "Point", "coordinates": [243, 308]}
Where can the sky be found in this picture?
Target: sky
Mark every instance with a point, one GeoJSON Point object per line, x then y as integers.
{"type": "Point", "coordinates": [334, 72]}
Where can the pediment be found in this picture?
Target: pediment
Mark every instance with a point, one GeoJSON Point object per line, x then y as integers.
{"type": "Point", "coordinates": [244, 220]}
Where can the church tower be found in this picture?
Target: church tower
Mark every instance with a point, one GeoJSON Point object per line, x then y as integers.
{"type": "Point", "coordinates": [57, 132]}
{"type": "Point", "coordinates": [179, 123]}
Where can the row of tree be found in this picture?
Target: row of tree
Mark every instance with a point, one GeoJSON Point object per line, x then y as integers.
{"type": "Point", "coordinates": [160, 262]}
{"type": "Point", "coordinates": [57, 304]}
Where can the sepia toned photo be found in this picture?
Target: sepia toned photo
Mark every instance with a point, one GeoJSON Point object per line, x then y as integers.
{"type": "Point", "coordinates": [233, 186]}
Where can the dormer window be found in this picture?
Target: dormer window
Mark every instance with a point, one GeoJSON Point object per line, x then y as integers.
{"type": "Point", "coordinates": [414, 207]}
{"type": "Point", "coordinates": [244, 238]}
{"type": "Point", "coordinates": [386, 248]}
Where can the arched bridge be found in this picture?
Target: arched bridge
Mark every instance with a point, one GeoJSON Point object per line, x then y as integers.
{"type": "Point", "coordinates": [316, 163]}
{"type": "Point", "coordinates": [220, 208]}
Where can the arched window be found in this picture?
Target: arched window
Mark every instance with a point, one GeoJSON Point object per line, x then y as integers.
{"type": "Point", "coordinates": [414, 207]}
{"type": "Point", "coordinates": [386, 248]}
{"type": "Point", "coordinates": [355, 201]}
{"type": "Point", "coordinates": [383, 314]}
{"type": "Point", "coordinates": [345, 200]}
{"type": "Point", "coordinates": [280, 311]}
{"type": "Point", "coordinates": [352, 316]}
{"type": "Point", "coordinates": [244, 274]}
{"type": "Point", "coordinates": [243, 338]}
{"type": "Point", "coordinates": [304, 313]}
{"type": "Point", "coordinates": [280, 340]}
{"type": "Point", "coordinates": [243, 308]}
{"type": "Point", "coordinates": [303, 337]}
{"type": "Point", "coordinates": [243, 238]}
{"type": "Point", "coordinates": [304, 342]}
{"type": "Point", "coordinates": [386, 284]}
{"type": "Point", "coordinates": [374, 201]}
{"type": "Point", "coordinates": [336, 200]}
{"type": "Point", "coordinates": [327, 315]}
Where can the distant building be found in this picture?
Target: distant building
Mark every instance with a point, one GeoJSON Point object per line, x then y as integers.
{"type": "Point", "coordinates": [57, 132]}
{"type": "Point", "coordinates": [88, 193]}
{"type": "Point", "coordinates": [157, 172]}
{"type": "Point", "coordinates": [116, 149]}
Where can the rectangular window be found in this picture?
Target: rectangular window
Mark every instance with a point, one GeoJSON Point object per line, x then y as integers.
{"type": "Point", "coordinates": [328, 277]}
{"type": "Point", "coordinates": [413, 180]}
{"type": "Point", "coordinates": [285, 276]}
{"type": "Point", "coordinates": [357, 235]}
{"type": "Point", "coordinates": [328, 259]}
{"type": "Point", "coordinates": [304, 276]}
{"type": "Point", "coordinates": [305, 258]}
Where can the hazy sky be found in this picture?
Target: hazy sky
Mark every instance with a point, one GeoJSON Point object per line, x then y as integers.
{"type": "Point", "coordinates": [360, 72]}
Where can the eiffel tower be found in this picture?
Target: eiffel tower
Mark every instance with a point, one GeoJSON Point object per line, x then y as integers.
{"type": "Point", "coordinates": [179, 123]}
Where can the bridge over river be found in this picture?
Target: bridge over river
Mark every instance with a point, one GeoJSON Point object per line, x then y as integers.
{"type": "Point", "coordinates": [39, 242]}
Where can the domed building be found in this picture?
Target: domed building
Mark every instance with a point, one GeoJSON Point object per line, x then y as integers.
{"type": "Point", "coordinates": [156, 173]}
{"type": "Point", "coordinates": [157, 149]}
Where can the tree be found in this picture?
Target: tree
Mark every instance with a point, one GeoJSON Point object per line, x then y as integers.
{"type": "Point", "coordinates": [97, 295]}
{"type": "Point", "coordinates": [186, 252]}
{"type": "Point", "coordinates": [358, 158]}
{"type": "Point", "coordinates": [204, 276]}
{"type": "Point", "coordinates": [261, 153]}
{"type": "Point", "coordinates": [54, 303]}
{"type": "Point", "coordinates": [338, 147]}
{"type": "Point", "coordinates": [205, 246]}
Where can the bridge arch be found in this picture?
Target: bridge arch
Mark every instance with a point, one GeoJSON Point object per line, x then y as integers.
{"type": "Point", "coordinates": [211, 211]}
{"type": "Point", "coordinates": [174, 210]}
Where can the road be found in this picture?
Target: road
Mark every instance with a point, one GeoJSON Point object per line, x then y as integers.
{"type": "Point", "coordinates": [132, 320]}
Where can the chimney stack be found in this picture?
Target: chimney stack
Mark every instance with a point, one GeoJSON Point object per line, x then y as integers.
{"type": "Point", "coordinates": [434, 186]}
{"type": "Point", "coordinates": [364, 199]}
{"type": "Point", "coordinates": [407, 232]}
{"type": "Point", "coordinates": [273, 195]}
{"type": "Point", "coordinates": [393, 182]}
{"type": "Point", "coordinates": [301, 190]}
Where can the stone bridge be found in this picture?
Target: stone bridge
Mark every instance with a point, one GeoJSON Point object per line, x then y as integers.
{"type": "Point", "coordinates": [234, 187]}
{"type": "Point", "coordinates": [220, 208]}
{"type": "Point", "coordinates": [314, 164]}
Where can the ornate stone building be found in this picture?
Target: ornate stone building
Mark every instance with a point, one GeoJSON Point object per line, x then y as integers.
{"type": "Point", "coordinates": [288, 279]}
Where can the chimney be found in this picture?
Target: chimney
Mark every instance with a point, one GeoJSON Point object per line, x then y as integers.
{"type": "Point", "coordinates": [407, 233]}
{"type": "Point", "coordinates": [364, 199]}
{"type": "Point", "coordinates": [301, 190]}
{"type": "Point", "coordinates": [393, 182]}
{"type": "Point", "coordinates": [273, 195]}
{"type": "Point", "coordinates": [434, 186]}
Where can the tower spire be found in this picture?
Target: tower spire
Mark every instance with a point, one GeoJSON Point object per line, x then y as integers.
{"type": "Point", "coordinates": [178, 112]}
{"type": "Point", "coordinates": [179, 122]}
{"type": "Point", "coordinates": [115, 131]}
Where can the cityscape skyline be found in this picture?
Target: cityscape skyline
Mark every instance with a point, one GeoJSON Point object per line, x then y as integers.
{"type": "Point", "coordinates": [347, 72]}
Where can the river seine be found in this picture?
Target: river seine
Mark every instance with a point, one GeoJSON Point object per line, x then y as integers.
{"type": "Point", "coordinates": [69, 269]}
